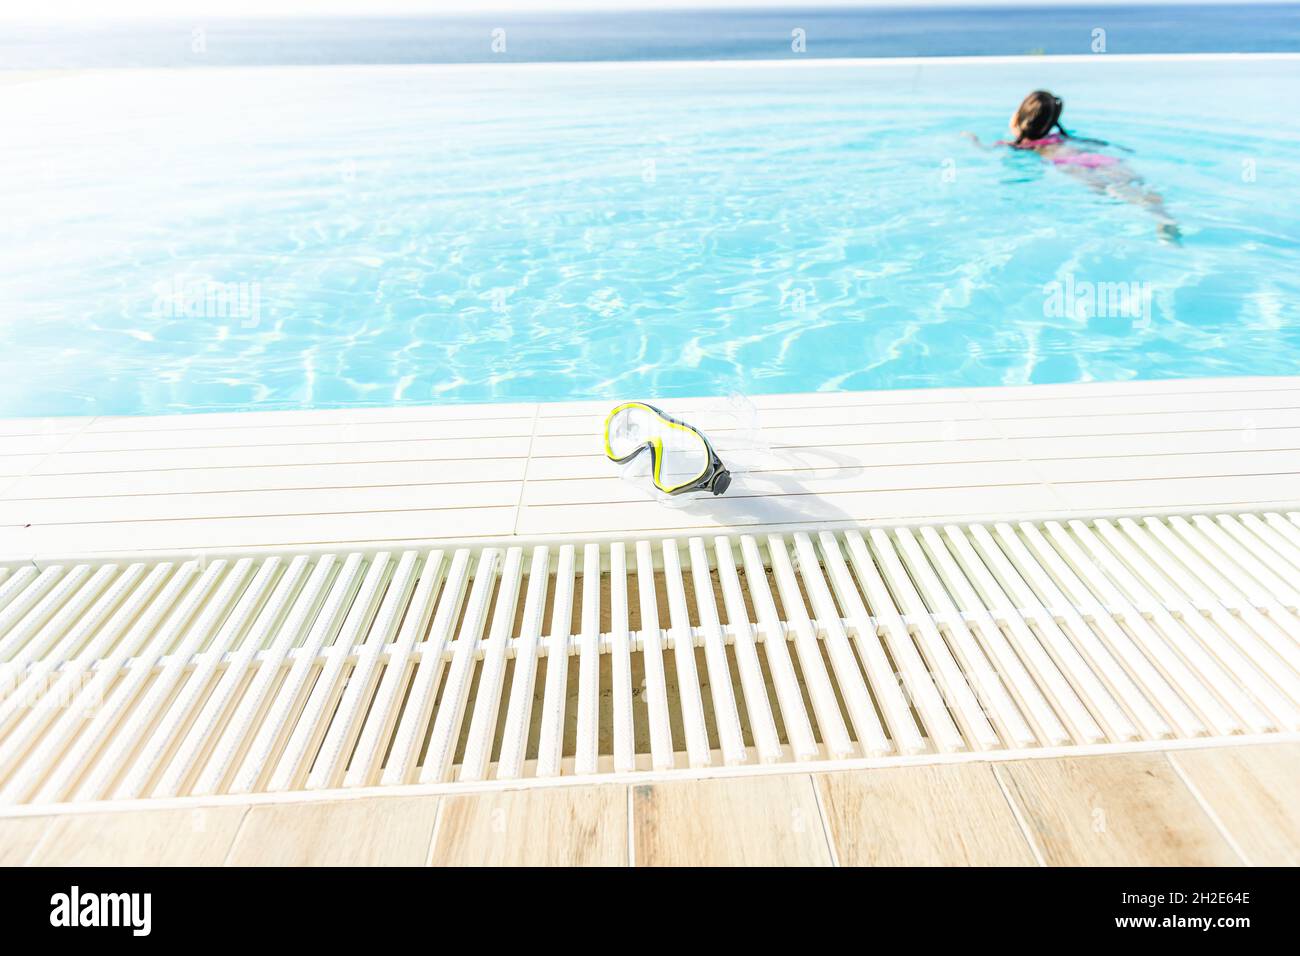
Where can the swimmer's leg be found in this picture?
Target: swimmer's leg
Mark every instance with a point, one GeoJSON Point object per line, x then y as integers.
{"type": "Point", "coordinates": [1120, 182]}
{"type": "Point", "coordinates": [1132, 191]}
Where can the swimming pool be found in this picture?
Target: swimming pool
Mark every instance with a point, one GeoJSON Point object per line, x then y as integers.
{"type": "Point", "coordinates": [322, 237]}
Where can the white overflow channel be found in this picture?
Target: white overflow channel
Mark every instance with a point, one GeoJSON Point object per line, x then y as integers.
{"type": "Point", "coordinates": [276, 673]}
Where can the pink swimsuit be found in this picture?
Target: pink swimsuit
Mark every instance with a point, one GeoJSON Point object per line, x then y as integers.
{"type": "Point", "coordinates": [1087, 160]}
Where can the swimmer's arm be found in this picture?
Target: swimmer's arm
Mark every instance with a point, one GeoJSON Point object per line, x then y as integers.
{"type": "Point", "coordinates": [1091, 141]}
{"type": "Point", "coordinates": [976, 140]}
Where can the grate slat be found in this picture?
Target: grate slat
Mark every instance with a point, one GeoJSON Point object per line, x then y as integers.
{"type": "Point", "coordinates": [1106, 661]}
{"type": "Point", "coordinates": [797, 721]}
{"type": "Point", "coordinates": [204, 729]}
{"type": "Point", "coordinates": [382, 720]}
{"type": "Point", "coordinates": [725, 714]}
{"type": "Point", "coordinates": [551, 743]}
{"type": "Point", "coordinates": [1274, 627]}
{"type": "Point", "coordinates": [866, 725]}
{"type": "Point", "coordinates": [1188, 696]}
{"type": "Point", "coordinates": [19, 595]}
{"type": "Point", "coordinates": [1109, 574]}
{"type": "Point", "coordinates": [339, 738]}
{"type": "Point", "coordinates": [232, 742]}
{"type": "Point", "coordinates": [289, 696]}
{"type": "Point", "coordinates": [103, 730]}
{"type": "Point", "coordinates": [1240, 652]}
{"type": "Point", "coordinates": [953, 684]}
{"type": "Point", "coordinates": [514, 741]}
{"type": "Point", "coordinates": [688, 683]}
{"type": "Point", "coordinates": [834, 734]}
{"type": "Point", "coordinates": [478, 748]}
{"type": "Point", "coordinates": [446, 724]}
{"type": "Point", "coordinates": [973, 664]}
{"type": "Point", "coordinates": [920, 685]}
{"type": "Point", "coordinates": [415, 718]}
{"type": "Point", "coordinates": [13, 703]}
{"type": "Point", "coordinates": [153, 705]}
{"type": "Point", "coordinates": [189, 685]}
{"type": "Point", "coordinates": [588, 745]}
{"type": "Point", "coordinates": [621, 648]}
{"type": "Point", "coordinates": [761, 722]}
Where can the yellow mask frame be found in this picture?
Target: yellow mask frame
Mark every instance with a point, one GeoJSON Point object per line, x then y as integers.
{"type": "Point", "coordinates": [714, 478]}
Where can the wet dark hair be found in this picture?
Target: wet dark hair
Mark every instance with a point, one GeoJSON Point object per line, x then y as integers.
{"type": "Point", "coordinates": [1039, 114]}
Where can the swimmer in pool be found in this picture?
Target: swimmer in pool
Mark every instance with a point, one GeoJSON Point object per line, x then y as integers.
{"type": "Point", "coordinates": [1036, 127]}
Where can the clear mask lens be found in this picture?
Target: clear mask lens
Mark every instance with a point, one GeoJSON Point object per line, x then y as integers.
{"type": "Point", "coordinates": [681, 455]}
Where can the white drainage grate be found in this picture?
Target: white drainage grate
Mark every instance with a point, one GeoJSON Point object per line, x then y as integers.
{"type": "Point", "coordinates": [323, 672]}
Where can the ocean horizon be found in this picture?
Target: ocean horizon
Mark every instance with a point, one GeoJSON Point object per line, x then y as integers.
{"type": "Point", "coordinates": [679, 34]}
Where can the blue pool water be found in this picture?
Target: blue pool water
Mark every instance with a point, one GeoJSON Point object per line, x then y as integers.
{"type": "Point", "coordinates": [288, 238]}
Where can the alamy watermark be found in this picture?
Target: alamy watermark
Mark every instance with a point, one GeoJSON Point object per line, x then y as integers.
{"type": "Point", "coordinates": [184, 297]}
{"type": "Point", "coordinates": [74, 908]}
{"type": "Point", "coordinates": [20, 689]}
{"type": "Point", "coordinates": [1081, 299]}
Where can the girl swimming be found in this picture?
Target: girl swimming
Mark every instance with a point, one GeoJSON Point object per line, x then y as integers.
{"type": "Point", "coordinates": [1036, 127]}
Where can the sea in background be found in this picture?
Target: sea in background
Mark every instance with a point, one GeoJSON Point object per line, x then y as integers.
{"type": "Point", "coordinates": [664, 35]}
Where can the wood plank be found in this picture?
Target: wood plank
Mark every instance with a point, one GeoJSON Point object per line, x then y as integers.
{"type": "Point", "coordinates": [847, 457]}
{"type": "Point", "coordinates": [943, 815]}
{"type": "Point", "coordinates": [20, 836]}
{"type": "Point", "coordinates": [15, 466]}
{"type": "Point", "coordinates": [1102, 404]}
{"type": "Point", "coordinates": [206, 533]}
{"type": "Point", "coordinates": [1180, 421]}
{"type": "Point", "coordinates": [91, 462]}
{"type": "Point", "coordinates": [44, 426]}
{"type": "Point", "coordinates": [1215, 492]}
{"type": "Point", "coordinates": [184, 481]}
{"type": "Point", "coordinates": [1255, 793]}
{"type": "Point", "coordinates": [981, 394]}
{"type": "Point", "coordinates": [548, 826]}
{"type": "Point", "coordinates": [38, 443]}
{"type": "Point", "coordinates": [750, 821]}
{"type": "Point", "coordinates": [1141, 467]}
{"type": "Point", "coordinates": [1123, 810]}
{"type": "Point", "coordinates": [612, 489]}
{"type": "Point", "coordinates": [244, 504]}
{"type": "Point", "coordinates": [327, 416]}
{"type": "Point", "coordinates": [713, 416]}
{"type": "Point", "coordinates": [1085, 458]}
{"type": "Point", "coordinates": [718, 415]}
{"type": "Point", "coordinates": [303, 433]}
{"type": "Point", "coordinates": [942, 503]}
{"type": "Point", "coordinates": [198, 837]}
{"type": "Point", "coordinates": [1154, 444]}
{"type": "Point", "coordinates": [776, 400]}
{"type": "Point", "coordinates": [1224, 384]}
{"type": "Point", "coordinates": [373, 831]}
{"type": "Point", "coordinates": [812, 434]}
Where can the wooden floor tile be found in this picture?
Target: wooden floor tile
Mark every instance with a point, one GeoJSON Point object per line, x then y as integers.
{"type": "Point", "coordinates": [947, 815]}
{"type": "Point", "coordinates": [546, 826]}
{"type": "Point", "coordinates": [373, 831]}
{"type": "Point", "coordinates": [198, 837]}
{"type": "Point", "coordinates": [1255, 793]}
{"type": "Point", "coordinates": [1123, 810]}
{"type": "Point", "coordinates": [747, 821]}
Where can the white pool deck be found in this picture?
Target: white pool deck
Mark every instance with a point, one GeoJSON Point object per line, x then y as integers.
{"type": "Point", "coordinates": [288, 479]}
